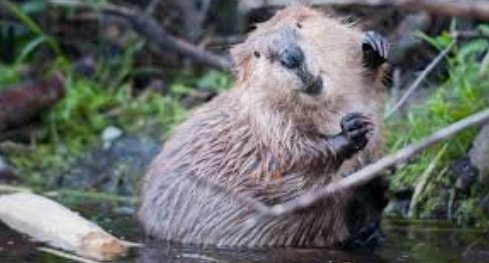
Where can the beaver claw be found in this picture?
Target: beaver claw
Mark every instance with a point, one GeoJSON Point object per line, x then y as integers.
{"type": "Point", "coordinates": [355, 128]}
{"type": "Point", "coordinates": [375, 49]}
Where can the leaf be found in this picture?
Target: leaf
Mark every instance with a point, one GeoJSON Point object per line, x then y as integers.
{"type": "Point", "coordinates": [30, 47]}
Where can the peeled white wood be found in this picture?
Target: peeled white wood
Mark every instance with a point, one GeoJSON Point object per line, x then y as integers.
{"type": "Point", "coordinates": [47, 221]}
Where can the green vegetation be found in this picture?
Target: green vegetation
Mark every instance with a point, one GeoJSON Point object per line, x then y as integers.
{"type": "Point", "coordinates": [91, 103]}
{"type": "Point", "coordinates": [465, 92]}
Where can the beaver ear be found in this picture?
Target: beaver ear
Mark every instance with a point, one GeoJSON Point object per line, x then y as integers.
{"type": "Point", "coordinates": [241, 57]}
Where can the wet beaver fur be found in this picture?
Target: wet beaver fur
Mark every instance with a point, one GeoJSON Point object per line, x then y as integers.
{"type": "Point", "coordinates": [305, 110]}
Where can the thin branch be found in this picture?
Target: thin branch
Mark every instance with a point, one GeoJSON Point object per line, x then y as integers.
{"type": "Point", "coordinates": [374, 170]}
{"type": "Point", "coordinates": [419, 80]}
{"type": "Point", "coordinates": [358, 178]}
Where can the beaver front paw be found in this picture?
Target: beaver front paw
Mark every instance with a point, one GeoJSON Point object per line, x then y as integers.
{"type": "Point", "coordinates": [355, 127]}
{"type": "Point", "coordinates": [375, 49]}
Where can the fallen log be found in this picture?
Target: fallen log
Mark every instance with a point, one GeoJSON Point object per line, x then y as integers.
{"type": "Point", "coordinates": [45, 220]}
{"type": "Point", "coordinates": [478, 9]}
{"type": "Point", "coordinates": [19, 104]}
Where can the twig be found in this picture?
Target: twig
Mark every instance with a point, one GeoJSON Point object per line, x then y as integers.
{"type": "Point", "coordinates": [374, 170]}
{"type": "Point", "coordinates": [419, 80]}
{"type": "Point", "coordinates": [468, 8]}
{"type": "Point", "coordinates": [148, 27]}
{"type": "Point", "coordinates": [65, 255]}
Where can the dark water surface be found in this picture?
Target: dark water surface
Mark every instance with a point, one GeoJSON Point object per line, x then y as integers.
{"type": "Point", "coordinates": [405, 242]}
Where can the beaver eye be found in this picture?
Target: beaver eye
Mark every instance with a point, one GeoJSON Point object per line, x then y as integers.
{"type": "Point", "coordinates": [299, 25]}
{"type": "Point", "coordinates": [257, 54]}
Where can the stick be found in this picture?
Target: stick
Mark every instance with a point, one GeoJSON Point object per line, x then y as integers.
{"type": "Point", "coordinates": [374, 170]}
{"type": "Point", "coordinates": [419, 80]}
{"type": "Point", "coordinates": [468, 8]}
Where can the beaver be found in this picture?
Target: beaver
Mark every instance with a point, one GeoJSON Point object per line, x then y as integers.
{"type": "Point", "coordinates": [305, 109]}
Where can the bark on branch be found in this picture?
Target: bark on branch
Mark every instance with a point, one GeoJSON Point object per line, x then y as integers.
{"type": "Point", "coordinates": [467, 8]}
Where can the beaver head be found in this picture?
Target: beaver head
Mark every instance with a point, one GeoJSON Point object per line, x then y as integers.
{"type": "Point", "coordinates": [302, 56]}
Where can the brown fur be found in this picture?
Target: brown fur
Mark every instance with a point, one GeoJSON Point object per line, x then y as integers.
{"type": "Point", "coordinates": [264, 139]}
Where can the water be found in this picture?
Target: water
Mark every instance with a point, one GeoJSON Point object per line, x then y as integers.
{"type": "Point", "coordinates": [405, 242]}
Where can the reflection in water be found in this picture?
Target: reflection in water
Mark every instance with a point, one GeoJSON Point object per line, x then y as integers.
{"type": "Point", "coordinates": [404, 243]}
{"type": "Point", "coordinates": [156, 252]}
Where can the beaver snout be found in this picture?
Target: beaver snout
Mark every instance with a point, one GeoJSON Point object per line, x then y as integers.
{"type": "Point", "coordinates": [291, 56]}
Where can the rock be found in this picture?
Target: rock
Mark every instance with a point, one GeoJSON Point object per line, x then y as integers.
{"type": "Point", "coordinates": [474, 167]}
{"type": "Point", "coordinates": [399, 203]}
{"type": "Point", "coordinates": [117, 169]}
{"type": "Point", "coordinates": [465, 172]}
{"type": "Point", "coordinates": [109, 135]}
{"type": "Point", "coordinates": [479, 154]}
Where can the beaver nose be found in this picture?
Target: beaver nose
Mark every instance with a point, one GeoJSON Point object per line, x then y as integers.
{"type": "Point", "coordinates": [291, 56]}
